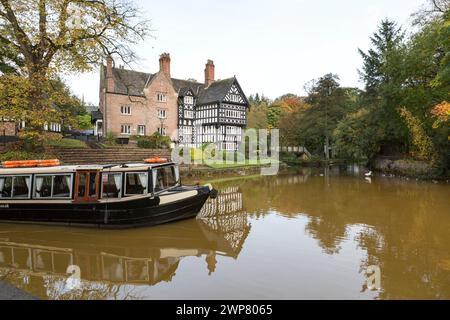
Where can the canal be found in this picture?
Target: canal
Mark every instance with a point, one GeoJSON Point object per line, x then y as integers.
{"type": "Point", "coordinates": [302, 235]}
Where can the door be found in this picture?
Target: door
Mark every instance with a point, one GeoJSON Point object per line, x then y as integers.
{"type": "Point", "coordinates": [86, 186]}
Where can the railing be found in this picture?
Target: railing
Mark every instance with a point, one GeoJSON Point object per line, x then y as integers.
{"type": "Point", "coordinates": [296, 149]}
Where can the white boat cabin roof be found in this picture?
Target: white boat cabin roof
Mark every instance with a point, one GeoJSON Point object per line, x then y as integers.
{"type": "Point", "coordinates": [75, 168]}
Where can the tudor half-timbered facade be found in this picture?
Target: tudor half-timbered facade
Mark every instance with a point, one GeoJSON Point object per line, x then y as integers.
{"type": "Point", "coordinates": [190, 112]}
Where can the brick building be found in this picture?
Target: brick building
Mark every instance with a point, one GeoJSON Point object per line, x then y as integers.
{"type": "Point", "coordinates": [137, 103]}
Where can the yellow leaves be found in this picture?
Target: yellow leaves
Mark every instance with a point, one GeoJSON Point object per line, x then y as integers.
{"type": "Point", "coordinates": [420, 140]}
{"type": "Point", "coordinates": [20, 99]}
{"type": "Point", "coordinates": [441, 113]}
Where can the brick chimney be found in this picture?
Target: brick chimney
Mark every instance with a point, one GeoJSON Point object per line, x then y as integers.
{"type": "Point", "coordinates": [209, 73]}
{"type": "Point", "coordinates": [164, 64]}
{"type": "Point", "coordinates": [109, 74]}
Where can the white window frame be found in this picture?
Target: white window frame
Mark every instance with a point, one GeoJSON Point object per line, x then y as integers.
{"type": "Point", "coordinates": [161, 97]}
{"type": "Point", "coordinates": [123, 126]}
{"type": "Point", "coordinates": [124, 182]}
{"type": "Point", "coordinates": [140, 126]}
{"type": "Point", "coordinates": [53, 182]}
{"type": "Point", "coordinates": [162, 113]}
{"type": "Point", "coordinates": [12, 186]}
{"type": "Point", "coordinates": [162, 131]}
{"type": "Point", "coordinates": [188, 100]}
{"type": "Point", "coordinates": [121, 184]}
{"type": "Point", "coordinates": [125, 110]}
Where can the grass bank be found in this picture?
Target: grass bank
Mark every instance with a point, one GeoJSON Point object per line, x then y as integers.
{"type": "Point", "coordinates": [243, 164]}
{"type": "Point", "coordinates": [64, 143]}
{"type": "Point", "coordinates": [14, 151]}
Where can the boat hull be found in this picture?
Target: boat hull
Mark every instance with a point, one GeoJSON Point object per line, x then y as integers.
{"type": "Point", "coordinates": [144, 211]}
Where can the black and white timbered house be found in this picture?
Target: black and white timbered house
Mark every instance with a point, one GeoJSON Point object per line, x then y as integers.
{"type": "Point", "coordinates": [215, 114]}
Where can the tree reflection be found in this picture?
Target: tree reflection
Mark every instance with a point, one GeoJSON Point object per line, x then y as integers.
{"type": "Point", "coordinates": [402, 226]}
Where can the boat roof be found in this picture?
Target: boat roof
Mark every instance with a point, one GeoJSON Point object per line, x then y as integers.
{"type": "Point", "coordinates": [74, 168]}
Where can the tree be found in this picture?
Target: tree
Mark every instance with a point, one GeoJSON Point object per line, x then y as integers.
{"type": "Point", "coordinates": [257, 114]}
{"type": "Point", "coordinates": [282, 107]}
{"type": "Point", "coordinates": [15, 94]}
{"type": "Point", "coordinates": [420, 141]}
{"type": "Point", "coordinates": [430, 12]}
{"type": "Point", "coordinates": [357, 136]}
{"type": "Point", "coordinates": [257, 117]}
{"type": "Point", "coordinates": [329, 103]}
{"type": "Point", "coordinates": [384, 76]}
{"type": "Point", "coordinates": [51, 36]}
{"type": "Point", "coordinates": [10, 62]}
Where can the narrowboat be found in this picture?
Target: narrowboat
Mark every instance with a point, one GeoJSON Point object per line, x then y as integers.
{"type": "Point", "coordinates": [104, 196]}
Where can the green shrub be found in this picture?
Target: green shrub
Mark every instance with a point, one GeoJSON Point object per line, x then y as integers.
{"type": "Point", "coordinates": [32, 140]}
{"type": "Point", "coordinates": [145, 143]}
{"type": "Point", "coordinates": [110, 138]}
{"type": "Point", "coordinates": [23, 155]}
{"type": "Point", "coordinates": [155, 141]}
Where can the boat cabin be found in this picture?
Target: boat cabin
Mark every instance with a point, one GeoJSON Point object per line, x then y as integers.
{"type": "Point", "coordinates": [87, 183]}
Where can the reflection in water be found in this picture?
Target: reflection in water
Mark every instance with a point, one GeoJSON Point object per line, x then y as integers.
{"type": "Point", "coordinates": [306, 235]}
{"type": "Point", "coordinates": [36, 258]}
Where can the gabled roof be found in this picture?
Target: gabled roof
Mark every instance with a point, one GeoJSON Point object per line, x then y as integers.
{"type": "Point", "coordinates": [96, 115]}
{"type": "Point", "coordinates": [183, 86]}
{"type": "Point", "coordinates": [90, 108]}
{"type": "Point", "coordinates": [130, 82]}
{"type": "Point", "coordinates": [133, 83]}
{"type": "Point", "coordinates": [216, 91]}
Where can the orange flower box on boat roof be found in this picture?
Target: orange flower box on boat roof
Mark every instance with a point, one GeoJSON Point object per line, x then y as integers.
{"type": "Point", "coordinates": [155, 160]}
{"type": "Point", "coordinates": [30, 163]}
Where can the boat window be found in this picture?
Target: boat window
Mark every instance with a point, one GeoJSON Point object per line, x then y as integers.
{"type": "Point", "coordinates": [61, 186]}
{"type": "Point", "coordinates": [15, 187]}
{"type": "Point", "coordinates": [43, 187]}
{"type": "Point", "coordinates": [164, 178]}
{"type": "Point", "coordinates": [21, 187]}
{"type": "Point", "coordinates": [81, 184]}
{"type": "Point", "coordinates": [57, 186]}
{"type": "Point", "coordinates": [5, 187]}
{"type": "Point", "coordinates": [136, 183]}
{"type": "Point", "coordinates": [92, 184]}
{"type": "Point", "coordinates": [111, 185]}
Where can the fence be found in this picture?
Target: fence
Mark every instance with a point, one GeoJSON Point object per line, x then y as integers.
{"type": "Point", "coordinates": [296, 149]}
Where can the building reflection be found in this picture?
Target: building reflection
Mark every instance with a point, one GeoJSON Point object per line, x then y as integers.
{"type": "Point", "coordinates": [36, 258]}
{"type": "Point", "coordinates": [226, 217]}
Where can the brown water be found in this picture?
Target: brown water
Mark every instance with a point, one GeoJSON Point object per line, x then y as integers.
{"type": "Point", "coordinates": [296, 236]}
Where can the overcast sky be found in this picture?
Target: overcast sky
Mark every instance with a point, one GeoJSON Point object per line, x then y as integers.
{"type": "Point", "coordinates": [272, 46]}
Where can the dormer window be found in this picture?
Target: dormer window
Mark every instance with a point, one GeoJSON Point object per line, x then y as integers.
{"type": "Point", "coordinates": [234, 98]}
{"type": "Point", "coordinates": [188, 100]}
{"type": "Point", "coordinates": [161, 97]}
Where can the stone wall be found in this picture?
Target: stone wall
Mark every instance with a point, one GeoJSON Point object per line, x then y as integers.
{"type": "Point", "coordinates": [405, 167]}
